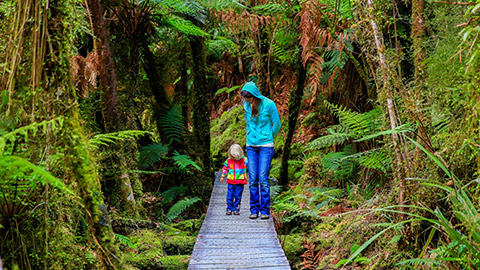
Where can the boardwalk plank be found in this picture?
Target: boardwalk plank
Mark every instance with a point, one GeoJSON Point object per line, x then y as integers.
{"type": "Point", "coordinates": [236, 242]}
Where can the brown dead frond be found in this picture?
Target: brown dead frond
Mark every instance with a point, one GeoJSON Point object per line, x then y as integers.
{"type": "Point", "coordinates": [242, 22]}
{"type": "Point", "coordinates": [85, 72]}
{"type": "Point", "coordinates": [315, 38]}
{"type": "Point", "coordinates": [310, 259]}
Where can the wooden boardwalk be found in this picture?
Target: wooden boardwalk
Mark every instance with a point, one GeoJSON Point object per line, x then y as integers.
{"type": "Point", "coordinates": [236, 242]}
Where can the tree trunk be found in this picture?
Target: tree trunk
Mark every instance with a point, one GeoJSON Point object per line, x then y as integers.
{"type": "Point", "coordinates": [388, 92]}
{"type": "Point", "coordinates": [122, 192]}
{"type": "Point", "coordinates": [108, 81]}
{"type": "Point", "coordinates": [293, 110]}
{"type": "Point", "coordinates": [201, 100]}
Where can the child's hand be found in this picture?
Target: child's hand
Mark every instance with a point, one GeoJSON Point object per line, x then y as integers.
{"type": "Point", "coordinates": [221, 180]}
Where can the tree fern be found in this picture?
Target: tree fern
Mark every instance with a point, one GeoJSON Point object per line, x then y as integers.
{"type": "Point", "coordinates": [152, 154]}
{"type": "Point", "coordinates": [179, 207]}
{"type": "Point", "coordinates": [110, 138]}
{"type": "Point", "coordinates": [185, 26]}
{"type": "Point", "coordinates": [218, 47]}
{"type": "Point", "coordinates": [172, 124]}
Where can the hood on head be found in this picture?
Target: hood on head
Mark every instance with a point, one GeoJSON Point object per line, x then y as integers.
{"type": "Point", "coordinates": [252, 89]}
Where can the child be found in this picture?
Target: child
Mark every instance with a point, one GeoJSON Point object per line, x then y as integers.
{"type": "Point", "coordinates": [235, 169]}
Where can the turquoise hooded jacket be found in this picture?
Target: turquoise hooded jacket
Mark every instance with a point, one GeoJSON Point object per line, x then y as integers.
{"type": "Point", "coordinates": [262, 129]}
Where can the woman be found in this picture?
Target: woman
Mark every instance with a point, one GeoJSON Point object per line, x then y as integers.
{"type": "Point", "coordinates": [263, 124]}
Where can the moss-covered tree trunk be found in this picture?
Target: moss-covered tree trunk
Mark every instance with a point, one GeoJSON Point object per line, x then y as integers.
{"type": "Point", "coordinates": [120, 190]}
{"type": "Point", "coordinates": [201, 100]}
{"type": "Point", "coordinates": [78, 158]}
{"type": "Point", "coordinates": [44, 88]}
{"type": "Point", "coordinates": [294, 104]}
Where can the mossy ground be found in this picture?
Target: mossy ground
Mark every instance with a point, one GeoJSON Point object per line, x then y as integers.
{"type": "Point", "coordinates": [161, 247]}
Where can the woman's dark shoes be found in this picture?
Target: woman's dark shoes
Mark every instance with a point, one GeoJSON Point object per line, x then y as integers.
{"type": "Point", "coordinates": [236, 213]}
{"type": "Point", "coordinates": [253, 216]}
{"type": "Point", "coordinates": [264, 217]}
{"type": "Point", "coordinates": [228, 213]}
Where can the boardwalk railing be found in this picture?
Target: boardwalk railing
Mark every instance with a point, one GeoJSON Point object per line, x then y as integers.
{"type": "Point", "coordinates": [236, 242]}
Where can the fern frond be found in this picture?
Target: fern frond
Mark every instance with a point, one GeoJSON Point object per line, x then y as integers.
{"type": "Point", "coordinates": [172, 193]}
{"type": "Point", "coordinates": [29, 129]}
{"type": "Point", "coordinates": [408, 127]}
{"type": "Point", "coordinates": [179, 207]}
{"type": "Point", "coordinates": [360, 123]}
{"type": "Point", "coordinates": [377, 160]}
{"type": "Point", "coordinates": [13, 167]}
{"type": "Point", "coordinates": [327, 140]}
{"type": "Point", "coordinates": [218, 47]}
{"type": "Point", "coordinates": [275, 191]}
{"type": "Point", "coordinates": [172, 124]}
{"type": "Point", "coordinates": [332, 160]}
{"type": "Point", "coordinates": [110, 138]}
{"type": "Point", "coordinates": [269, 8]}
{"type": "Point", "coordinates": [152, 154]}
{"type": "Point", "coordinates": [125, 240]}
{"type": "Point", "coordinates": [185, 26]}
{"type": "Point", "coordinates": [182, 161]}
{"type": "Point", "coordinates": [227, 89]}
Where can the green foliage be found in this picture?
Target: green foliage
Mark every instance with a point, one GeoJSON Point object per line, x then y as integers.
{"type": "Point", "coordinates": [180, 207]}
{"type": "Point", "coordinates": [151, 154]}
{"type": "Point", "coordinates": [14, 170]}
{"type": "Point", "coordinates": [185, 26]}
{"type": "Point", "coordinates": [357, 259]}
{"type": "Point", "coordinates": [227, 89]}
{"type": "Point", "coordinates": [172, 124]}
{"type": "Point", "coordinates": [31, 129]}
{"type": "Point", "coordinates": [110, 138]}
{"type": "Point", "coordinates": [218, 46]}
{"type": "Point", "coordinates": [172, 193]}
{"type": "Point", "coordinates": [125, 240]}
{"type": "Point", "coordinates": [183, 161]}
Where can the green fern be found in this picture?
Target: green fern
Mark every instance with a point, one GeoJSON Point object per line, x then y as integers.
{"type": "Point", "coordinates": [185, 26]}
{"type": "Point", "coordinates": [377, 159]}
{"type": "Point", "coordinates": [328, 140]}
{"type": "Point", "coordinates": [227, 89]}
{"type": "Point", "coordinates": [172, 124]}
{"type": "Point", "coordinates": [183, 161]}
{"type": "Point", "coordinates": [151, 154]}
{"type": "Point", "coordinates": [361, 124]}
{"type": "Point", "coordinates": [13, 167]}
{"type": "Point", "coordinates": [218, 47]}
{"type": "Point", "coordinates": [269, 8]}
{"type": "Point", "coordinates": [27, 130]}
{"type": "Point", "coordinates": [172, 193]}
{"type": "Point", "coordinates": [180, 207]}
{"type": "Point", "coordinates": [125, 240]}
{"type": "Point", "coordinates": [110, 138]}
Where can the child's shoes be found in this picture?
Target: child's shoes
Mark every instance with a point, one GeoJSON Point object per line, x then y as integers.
{"type": "Point", "coordinates": [228, 213]}
{"type": "Point", "coordinates": [236, 213]}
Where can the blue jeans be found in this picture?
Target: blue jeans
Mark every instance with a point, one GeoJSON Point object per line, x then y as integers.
{"type": "Point", "coordinates": [259, 161]}
{"type": "Point", "coordinates": [234, 196]}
